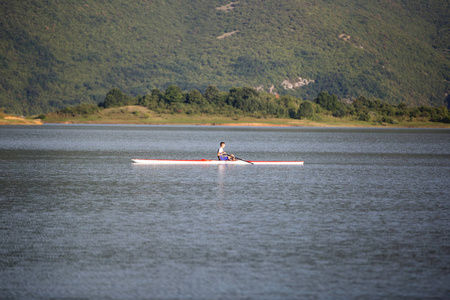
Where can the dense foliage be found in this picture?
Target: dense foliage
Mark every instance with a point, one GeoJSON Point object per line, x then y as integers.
{"type": "Point", "coordinates": [249, 102]}
{"type": "Point", "coordinates": [55, 54]}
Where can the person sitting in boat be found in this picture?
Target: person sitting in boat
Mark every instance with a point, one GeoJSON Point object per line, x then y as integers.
{"type": "Point", "coordinates": [222, 155]}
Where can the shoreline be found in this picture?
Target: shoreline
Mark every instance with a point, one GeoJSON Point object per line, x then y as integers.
{"type": "Point", "coordinates": [219, 121]}
{"type": "Point", "coordinates": [247, 124]}
{"type": "Point", "coordinates": [252, 124]}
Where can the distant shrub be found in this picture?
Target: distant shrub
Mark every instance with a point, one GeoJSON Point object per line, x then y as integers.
{"type": "Point", "coordinates": [364, 117]}
{"type": "Point", "coordinates": [389, 120]}
{"type": "Point", "coordinates": [316, 118]}
{"type": "Point", "coordinates": [339, 113]}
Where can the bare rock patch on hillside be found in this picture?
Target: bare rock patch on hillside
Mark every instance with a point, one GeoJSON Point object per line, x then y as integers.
{"type": "Point", "coordinates": [227, 34]}
{"type": "Point", "coordinates": [290, 84]}
{"type": "Point", "coordinates": [229, 7]}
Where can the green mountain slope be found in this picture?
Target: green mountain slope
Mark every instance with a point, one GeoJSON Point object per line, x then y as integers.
{"type": "Point", "coordinates": [59, 53]}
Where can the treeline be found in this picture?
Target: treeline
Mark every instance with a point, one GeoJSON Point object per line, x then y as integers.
{"type": "Point", "coordinates": [377, 111]}
{"type": "Point", "coordinates": [246, 101]}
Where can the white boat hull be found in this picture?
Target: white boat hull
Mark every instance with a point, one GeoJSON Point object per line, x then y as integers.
{"type": "Point", "coordinates": [211, 162]}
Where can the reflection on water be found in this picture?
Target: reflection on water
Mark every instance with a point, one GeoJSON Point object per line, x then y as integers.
{"type": "Point", "coordinates": [365, 217]}
{"type": "Point", "coordinates": [221, 181]}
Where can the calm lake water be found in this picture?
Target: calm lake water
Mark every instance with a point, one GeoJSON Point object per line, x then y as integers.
{"type": "Point", "coordinates": [366, 217]}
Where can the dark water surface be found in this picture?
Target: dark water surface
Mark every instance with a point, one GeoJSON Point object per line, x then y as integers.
{"type": "Point", "coordinates": [366, 217]}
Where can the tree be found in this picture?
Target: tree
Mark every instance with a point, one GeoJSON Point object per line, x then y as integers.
{"type": "Point", "coordinates": [173, 94]}
{"type": "Point", "coordinates": [327, 101]}
{"type": "Point", "coordinates": [246, 99]}
{"type": "Point", "coordinates": [212, 94]}
{"type": "Point", "coordinates": [292, 111]}
{"type": "Point", "coordinates": [195, 97]}
{"type": "Point", "coordinates": [331, 102]}
{"type": "Point", "coordinates": [115, 98]}
{"type": "Point", "coordinates": [305, 110]}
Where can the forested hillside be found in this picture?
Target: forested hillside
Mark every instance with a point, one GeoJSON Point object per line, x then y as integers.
{"type": "Point", "coordinates": [55, 54]}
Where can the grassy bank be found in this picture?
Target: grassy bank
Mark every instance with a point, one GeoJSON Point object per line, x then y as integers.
{"type": "Point", "coordinates": [143, 116]}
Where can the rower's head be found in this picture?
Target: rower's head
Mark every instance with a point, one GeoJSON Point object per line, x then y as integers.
{"type": "Point", "coordinates": [222, 144]}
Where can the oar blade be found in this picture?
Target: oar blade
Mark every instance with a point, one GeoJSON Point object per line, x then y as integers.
{"type": "Point", "coordinates": [249, 162]}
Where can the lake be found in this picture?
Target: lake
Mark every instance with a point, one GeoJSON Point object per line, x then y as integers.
{"type": "Point", "coordinates": [366, 216]}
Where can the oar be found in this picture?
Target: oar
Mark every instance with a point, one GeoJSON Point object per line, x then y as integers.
{"type": "Point", "coordinates": [244, 160]}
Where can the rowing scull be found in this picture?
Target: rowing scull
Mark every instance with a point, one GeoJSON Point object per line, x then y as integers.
{"type": "Point", "coordinates": [212, 162]}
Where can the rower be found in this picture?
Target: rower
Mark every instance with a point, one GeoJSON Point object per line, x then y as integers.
{"type": "Point", "coordinates": [222, 155]}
